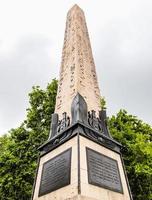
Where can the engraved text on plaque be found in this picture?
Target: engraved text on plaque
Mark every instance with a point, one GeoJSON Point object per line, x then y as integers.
{"type": "Point", "coordinates": [103, 171]}
{"type": "Point", "coordinates": [56, 173]}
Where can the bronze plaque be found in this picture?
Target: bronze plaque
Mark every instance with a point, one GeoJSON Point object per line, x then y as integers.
{"type": "Point", "coordinates": [103, 171]}
{"type": "Point", "coordinates": [56, 173]}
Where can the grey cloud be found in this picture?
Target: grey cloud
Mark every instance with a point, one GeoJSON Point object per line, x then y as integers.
{"type": "Point", "coordinates": [122, 46]}
{"type": "Point", "coordinates": [124, 63]}
{"type": "Point", "coordinates": [29, 64]}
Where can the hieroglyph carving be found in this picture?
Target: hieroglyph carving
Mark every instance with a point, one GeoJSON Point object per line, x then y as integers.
{"type": "Point", "coordinates": [77, 73]}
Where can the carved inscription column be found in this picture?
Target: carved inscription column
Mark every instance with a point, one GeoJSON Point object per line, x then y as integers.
{"type": "Point", "coordinates": [77, 73]}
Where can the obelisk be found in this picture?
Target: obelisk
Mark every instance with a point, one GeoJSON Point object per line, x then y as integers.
{"type": "Point", "coordinates": [80, 160]}
{"type": "Point", "coordinates": [77, 72]}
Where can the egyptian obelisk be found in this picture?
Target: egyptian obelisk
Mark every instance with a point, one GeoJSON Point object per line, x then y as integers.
{"type": "Point", "coordinates": [77, 73]}
{"type": "Point", "coordinates": [80, 159]}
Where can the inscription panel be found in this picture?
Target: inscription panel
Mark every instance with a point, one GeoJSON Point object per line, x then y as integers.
{"type": "Point", "coordinates": [56, 173]}
{"type": "Point", "coordinates": [103, 171]}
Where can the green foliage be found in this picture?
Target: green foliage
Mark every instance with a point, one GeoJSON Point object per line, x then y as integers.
{"type": "Point", "coordinates": [14, 162]}
{"type": "Point", "coordinates": [136, 138]}
{"type": "Point", "coordinates": [19, 148]}
{"type": "Point", "coordinates": [103, 103]}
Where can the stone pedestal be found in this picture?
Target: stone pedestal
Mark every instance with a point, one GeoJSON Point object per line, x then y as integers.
{"type": "Point", "coordinates": [95, 172]}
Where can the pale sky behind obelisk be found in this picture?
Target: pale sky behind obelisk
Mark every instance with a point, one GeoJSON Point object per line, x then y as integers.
{"type": "Point", "coordinates": [31, 41]}
{"type": "Point", "coordinates": [77, 73]}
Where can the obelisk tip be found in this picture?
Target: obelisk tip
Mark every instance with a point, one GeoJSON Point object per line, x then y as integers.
{"type": "Point", "coordinates": [75, 7]}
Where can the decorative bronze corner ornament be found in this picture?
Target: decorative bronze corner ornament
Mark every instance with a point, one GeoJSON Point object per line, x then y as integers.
{"type": "Point", "coordinates": [79, 110]}
{"type": "Point", "coordinates": [82, 122]}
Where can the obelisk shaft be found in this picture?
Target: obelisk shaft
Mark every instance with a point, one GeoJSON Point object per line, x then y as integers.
{"type": "Point", "coordinates": [77, 73]}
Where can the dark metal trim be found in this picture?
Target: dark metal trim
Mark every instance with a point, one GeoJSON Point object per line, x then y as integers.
{"type": "Point", "coordinates": [100, 134]}
{"type": "Point", "coordinates": [57, 145]}
{"type": "Point", "coordinates": [86, 131]}
{"type": "Point", "coordinates": [57, 136]}
{"type": "Point", "coordinates": [73, 126]}
{"type": "Point", "coordinates": [79, 178]}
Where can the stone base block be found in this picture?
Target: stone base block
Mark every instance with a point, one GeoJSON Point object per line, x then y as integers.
{"type": "Point", "coordinates": [95, 173]}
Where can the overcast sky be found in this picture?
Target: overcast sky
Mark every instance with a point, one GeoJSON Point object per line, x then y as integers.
{"type": "Point", "coordinates": [31, 39]}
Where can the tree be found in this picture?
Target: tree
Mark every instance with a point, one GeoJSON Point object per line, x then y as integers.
{"type": "Point", "coordinates": [136, 137]}
{"type": "Point", "coordinates": [103, 103]}
{"type": "Point", "coordinates": [19, 147]}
